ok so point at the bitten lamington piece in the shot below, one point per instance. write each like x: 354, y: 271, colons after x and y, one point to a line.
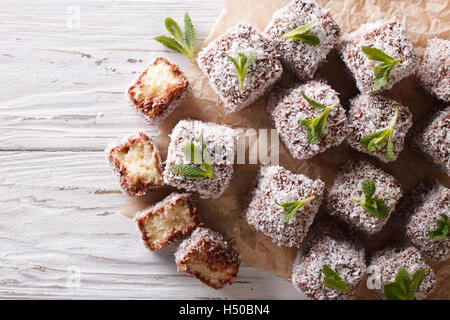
x: 328, y: 244
x: 220, y: 146
x: 347, y: 187
x: 373, y: 113
x: 386, y: 35
x: 158, y: 90
x: 418, y: 214
x: 291, y: 108
x: 209, y: 258
x: 301, y: 57
x: 263, y: 71
x: 167, y: 222
x: 385, y: 264
x: 434, y: 70
x: 136, y: 160
x: 277, y: 187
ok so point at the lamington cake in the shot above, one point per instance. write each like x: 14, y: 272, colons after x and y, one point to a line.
x: 302, y: 57
x: 418, y: 215
x: 208, y: 257
x: 390, y: 37
x: 348, y: 187
x: 434, y: 70
x: 167, y: 221
x: 283, y: 205
x: 385, y: 264
x: 369, y: 114
x: 215, y: 144
x: 288, y: 108
x: 328, y: 244
x: 158, y: 90
x: 264, y: 70
x: 136, y: 161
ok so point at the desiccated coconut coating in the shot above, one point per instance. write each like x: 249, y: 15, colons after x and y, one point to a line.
x: 288, y: 110
x: 136, y: 161
x: 387, y: 35
x: 385, y: 263
x: 418, y: 213
x: 167, y: 221
x: 158, y: 90
x: 302, y: 58
x: 434, y: 70
x: 220, y: 141
x: 264, y: 70
x: 434, y: 140
x: 372, y: 113
x: 348, y: 185
x: 276, y: 184
x: 209, y: 258
x: 328, y: 243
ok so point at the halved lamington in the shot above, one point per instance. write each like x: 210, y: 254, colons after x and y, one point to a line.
x: 385, y: 264
x: 208, y: 257
x: 255, y: 58
x: 283, y: 205
x: 329, y: 246
x: 424, y: 216
x: 290, y: 110
x: 388, y: 36
x: 434, y: 140
x: 434, y: 70
x: 363, y: 196
x: 158, y: 90
x: 137, y: 162
x: 167, y: 221
x: 302, y: 50
x: 372, y: 120
x: 201, y: 157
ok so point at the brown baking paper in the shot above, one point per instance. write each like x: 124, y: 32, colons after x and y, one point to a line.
x: 423, y: 20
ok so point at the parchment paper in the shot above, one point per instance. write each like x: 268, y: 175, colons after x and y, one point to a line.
x: 423, y: 20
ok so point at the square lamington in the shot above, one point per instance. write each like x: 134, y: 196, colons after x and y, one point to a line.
x: 208, y: 257
x: 220, y: 145
x: 417, y: 216
x: 386, y: 35
x: 158, y: 90
x: 434, y: 70
x: 288, y: 108
x: 263, y: 71
x: 347, y: 186
x: 385, y: 263
x: 298, y: 56
x: 137, y: 162
x: 167, y: 221
x: 328, y: 244
x: 373, y: 113
x: 277, y: 186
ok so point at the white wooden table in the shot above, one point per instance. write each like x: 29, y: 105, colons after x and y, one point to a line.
x: 61, y: 102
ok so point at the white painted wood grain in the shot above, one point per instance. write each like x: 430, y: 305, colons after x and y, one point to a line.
x: 61, y: 102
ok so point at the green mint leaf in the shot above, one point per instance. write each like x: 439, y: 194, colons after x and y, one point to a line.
x: 374, y: 206
x: 416, y: 281
x: 303, y: 34
x: 381, y: 71
x: 192, y: 153
x: 189, y: 32
x: 390, y: 147
x: 291, y: 208
x: 171, y: 43
x: 313, y: 103
x: 333, y: 280
x: 404, y: 286
x: 442, y: 229
x: 392, y: 291
x: 174, y: 29
x: 241, y: 63
x: 368, y: 188
x: 188, y: 171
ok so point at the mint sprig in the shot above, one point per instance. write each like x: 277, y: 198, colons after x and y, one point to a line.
x: 382, y: 70
x: 316, y: 126
x: 291, y: 208
x: 197, y: 156
x: 442, y: 230
x: 375, y: 140
x: 333, y: 280
x: 303, y: 33
x: 241, y: 62
x: 375, y: 206
x: 404, y: 287
x: 184, y: 45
